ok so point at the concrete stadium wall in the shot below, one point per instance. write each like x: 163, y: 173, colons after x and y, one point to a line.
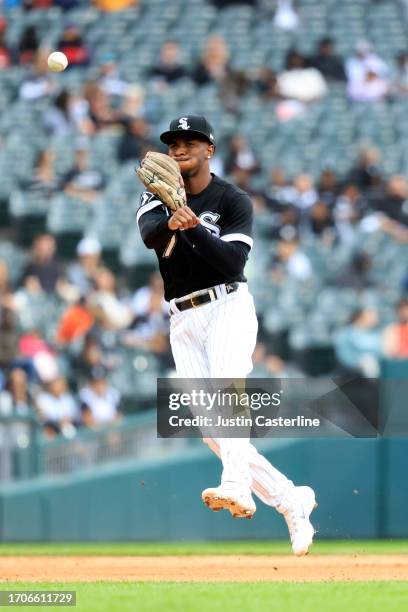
x: 360, y: 486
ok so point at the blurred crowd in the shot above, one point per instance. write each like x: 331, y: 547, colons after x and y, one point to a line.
x: 65, y: 374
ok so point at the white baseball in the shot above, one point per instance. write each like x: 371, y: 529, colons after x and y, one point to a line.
x: 57, y: 61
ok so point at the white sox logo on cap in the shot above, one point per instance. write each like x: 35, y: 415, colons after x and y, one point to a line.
x: 183, y: 123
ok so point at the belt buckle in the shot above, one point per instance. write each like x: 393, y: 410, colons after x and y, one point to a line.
x: 193, y: 302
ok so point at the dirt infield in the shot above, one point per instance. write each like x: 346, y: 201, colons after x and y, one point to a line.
x: 205, y: 568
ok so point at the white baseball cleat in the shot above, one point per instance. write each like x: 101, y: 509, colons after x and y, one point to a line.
x: 297, y: 518
x: 238, y: 500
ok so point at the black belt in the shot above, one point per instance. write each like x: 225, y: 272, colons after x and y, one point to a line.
x: 209, y: 296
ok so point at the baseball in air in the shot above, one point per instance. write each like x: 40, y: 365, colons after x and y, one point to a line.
x: 57, y: 61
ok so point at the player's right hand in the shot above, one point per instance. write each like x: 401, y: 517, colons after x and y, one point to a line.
x: 183, y: 219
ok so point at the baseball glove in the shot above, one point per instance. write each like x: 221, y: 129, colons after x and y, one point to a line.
x: 161, y: 175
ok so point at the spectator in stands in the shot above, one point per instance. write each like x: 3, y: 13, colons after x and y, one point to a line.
x: 72, y: 44
x: 290, y: 261
x: 104, y: 296
x: 43, y: 263
x: 39, y: 82
x: 214, y: 68
x: 43, y: 182
x: 92, y: 354
x: 304, y: 195
x: 28, y: 45
x: 396, y: 334
x: 327, y: 187
x: 258, y: 360
x: 300, y: 82
x: 286, y: 17
x: 325, y: 61
x: 358, y: 345
x: 81, y: 274
x: 357, y: 273
x: 321, y: 223
x: 5, y: 53
x: 214, y: 63
x: 42, y: 358
x: 241, y: 178
x: 109, y: 80
x: 75, y: 322
x: 364, y: 60
x: 396, y: 230
x: 349, y: 209
x: 265, y: 81
x: 150, y: 299
x: 286, y: 223
x: 295, y: 60
x: 366, y: 173
x: 111, y: 6
x: 69, y: 114
x: 58, y: 409
x: 278, y: 191
x: 400, y: 85
x: 367, y: 75
x: 6, y: 292
x: 100, y: 112
x: 37, y: 4
x: 100, y: 403
x: 268, y: 365
x: 28, y: 292
x: 16, y: 399
x: 169, y: 68
x: 135, y: 141
x: 371, y: 89
x: 82, y: 181
x: 240, y: 155
x: 133, y: 105
x: 150, y: 324
x: 395, y: 202
x: 9, y: 336
x: 67, y: 5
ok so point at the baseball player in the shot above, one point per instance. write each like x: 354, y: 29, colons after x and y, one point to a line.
x: 201, y: 229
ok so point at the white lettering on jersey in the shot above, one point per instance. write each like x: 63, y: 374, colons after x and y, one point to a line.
x: 208, y: 220
x: 183, y: 123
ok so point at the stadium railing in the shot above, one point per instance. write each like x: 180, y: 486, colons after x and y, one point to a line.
x: 26, y: 453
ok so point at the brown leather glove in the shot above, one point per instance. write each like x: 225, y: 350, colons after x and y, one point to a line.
x: 160, y: 174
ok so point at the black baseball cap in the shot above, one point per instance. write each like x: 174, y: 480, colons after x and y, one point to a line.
x: 195, y: 125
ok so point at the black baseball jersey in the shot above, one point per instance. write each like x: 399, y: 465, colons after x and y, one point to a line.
x: 212, y: 253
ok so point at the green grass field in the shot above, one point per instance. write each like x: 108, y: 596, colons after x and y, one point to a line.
x: 262, y: 547
x: 200, y: 597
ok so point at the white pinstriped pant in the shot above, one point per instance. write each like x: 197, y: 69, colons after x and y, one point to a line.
x: 217, y: 340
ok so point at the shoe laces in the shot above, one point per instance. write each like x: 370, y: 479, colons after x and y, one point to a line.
x: 293, y: 519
